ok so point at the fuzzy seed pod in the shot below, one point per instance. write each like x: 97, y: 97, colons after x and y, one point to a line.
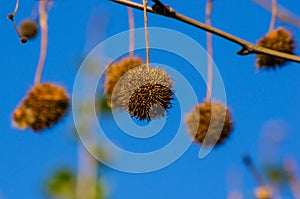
x: 44, y: 105
x: 145, y: 92
x: 28, y: 28
x: 115, y: 72
x: 280, y: 40
x: 210, y: 122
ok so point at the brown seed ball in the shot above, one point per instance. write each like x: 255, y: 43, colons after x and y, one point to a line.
x: 114, y: 73
x: 28, y: 28
x: 44, y: 105
x: 280, y: 40
x: 209, y: 116
x: 145, y: 92
x: 150, y: 101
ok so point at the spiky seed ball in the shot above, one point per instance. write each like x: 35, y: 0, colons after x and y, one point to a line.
x: 150, y: 101
x: 28, y: 28
x: 114, y: 73
x: 210, y: 122
x: 44, y: 105
x: 280, y: 40
x: 145, y: 92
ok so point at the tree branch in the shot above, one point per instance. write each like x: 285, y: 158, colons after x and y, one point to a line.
x: 247, y: 47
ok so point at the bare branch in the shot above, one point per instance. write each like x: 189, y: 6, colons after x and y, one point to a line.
x: 247, y: 47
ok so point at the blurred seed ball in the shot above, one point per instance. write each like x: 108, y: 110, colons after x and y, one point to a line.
x: 263, y: 192
x: 28, y: 28
x: 44, y: 105
x: 114, y: 73
x: 145, y: 92
x: 214, y: 117
x: 280, y: 40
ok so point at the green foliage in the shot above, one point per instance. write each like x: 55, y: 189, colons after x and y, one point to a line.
x: 276, y: 174
x: 62, y: 185
x: 102, y: 105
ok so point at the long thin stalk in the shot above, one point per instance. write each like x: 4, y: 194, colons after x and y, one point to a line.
x: 209, y: 51
x: 131, y: 32
x: 44, y: 40
x: 146, y: 32
x: 274, y: 15
x: 247, y: 47
x: 16, y: 7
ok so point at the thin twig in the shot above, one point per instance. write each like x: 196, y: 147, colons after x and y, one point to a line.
x: 249, y: 164
x: 131, y: 32
x: 247, y: 47
x: 283, y: 14
x: 274, y: 15
x: 44, y: 40
x: 146, y: 32
x: 11, y: 18
x: 209, y: 51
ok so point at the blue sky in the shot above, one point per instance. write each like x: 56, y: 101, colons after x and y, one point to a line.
x: 256, y: 98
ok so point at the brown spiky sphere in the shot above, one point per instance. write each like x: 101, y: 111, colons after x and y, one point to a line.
x: 210, y: 122
x: 114, y: 73
x: 280, y: 40
x: 145, y: 92
x: 44, y: 105
x: 28, y: 28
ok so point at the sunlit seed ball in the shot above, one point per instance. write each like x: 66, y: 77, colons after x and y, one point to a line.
x: 114, y: 73
x: 145, y: 92
x: 28, y: 28
x: 44, y: 105
x: 280, y: 40
x: 210, y: 122
x: 263, y: 192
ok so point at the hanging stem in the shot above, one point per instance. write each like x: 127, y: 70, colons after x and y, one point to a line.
x: 274, y: 15
x: 146, y: 33
x: 131, y: 31
x: 16, y: 8
x: 283, y: 14
x: 44, y: 40
x: 209, y: 51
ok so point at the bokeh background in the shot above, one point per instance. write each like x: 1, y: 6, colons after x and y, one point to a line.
x: 264, y: 104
